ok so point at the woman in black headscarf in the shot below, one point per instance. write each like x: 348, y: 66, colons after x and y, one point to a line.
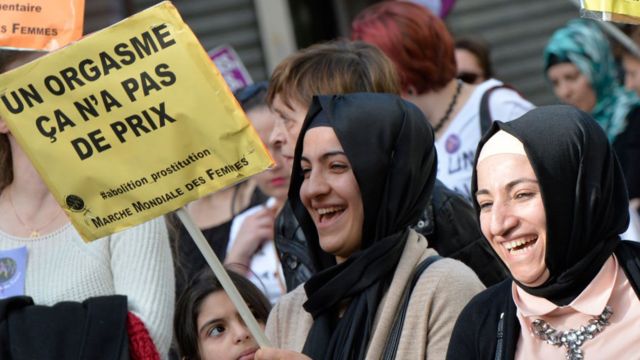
x: 552, y: 202
x: 363, y: 172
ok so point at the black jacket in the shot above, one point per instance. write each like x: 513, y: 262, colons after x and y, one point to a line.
x: 93, y: 329
x: 449, y: 223
x: 478, y: 333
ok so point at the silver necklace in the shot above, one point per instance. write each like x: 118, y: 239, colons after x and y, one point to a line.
x: 572, y: 339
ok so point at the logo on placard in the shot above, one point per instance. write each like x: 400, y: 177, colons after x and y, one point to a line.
x: 8, y: 269
x: 452, y: 144
x: 74, y: 202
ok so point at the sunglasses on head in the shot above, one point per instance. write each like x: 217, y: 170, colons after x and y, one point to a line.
x: 467, y: 77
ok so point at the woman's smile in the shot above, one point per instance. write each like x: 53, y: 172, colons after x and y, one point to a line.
x: 521, y: 246
x: 327, y: 216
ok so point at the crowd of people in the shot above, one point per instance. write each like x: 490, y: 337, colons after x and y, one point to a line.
x: 417, y: 208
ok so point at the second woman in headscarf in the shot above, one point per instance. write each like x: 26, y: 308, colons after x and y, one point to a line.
x: 551, y: 199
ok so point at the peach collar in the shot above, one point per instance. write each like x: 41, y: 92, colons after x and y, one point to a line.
x: 591, y: 300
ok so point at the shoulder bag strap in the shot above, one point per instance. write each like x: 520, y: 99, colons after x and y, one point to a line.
x: 394, y: 335
x: 485, y: 112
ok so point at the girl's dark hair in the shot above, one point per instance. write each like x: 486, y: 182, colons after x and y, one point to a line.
x: 188, y: 307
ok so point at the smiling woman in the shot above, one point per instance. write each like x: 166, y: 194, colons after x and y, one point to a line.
x: 511, y: 211
x: 551, y: 199
x: 363, y: 171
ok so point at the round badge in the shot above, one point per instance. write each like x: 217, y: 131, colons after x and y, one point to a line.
x: 7, y: 269
x: 452, y: 144
x: 74, y: 202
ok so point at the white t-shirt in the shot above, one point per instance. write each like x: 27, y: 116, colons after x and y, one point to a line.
x: 457, y: 145
x: 266, y: 271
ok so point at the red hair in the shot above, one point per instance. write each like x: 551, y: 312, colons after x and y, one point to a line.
x: 416, y: 40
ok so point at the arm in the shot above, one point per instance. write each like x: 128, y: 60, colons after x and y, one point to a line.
x: 272, y: 330
x: 288, y: 323
x: 463, y: 337
x: 475, y: 334
x: 454, y: 290
x: 143, y: 271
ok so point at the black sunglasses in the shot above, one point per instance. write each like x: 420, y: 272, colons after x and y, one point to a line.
x: 467, y: 77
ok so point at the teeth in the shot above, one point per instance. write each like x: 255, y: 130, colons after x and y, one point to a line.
x: 329, y: 210
x: 515, y: 243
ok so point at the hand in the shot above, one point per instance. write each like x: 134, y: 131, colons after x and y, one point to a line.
x: 279, y: 354
x: 254, y: 231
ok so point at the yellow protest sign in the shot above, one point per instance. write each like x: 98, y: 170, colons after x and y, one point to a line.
x: 130, y: 123
x: 615, y: 10
x: 40, y: 24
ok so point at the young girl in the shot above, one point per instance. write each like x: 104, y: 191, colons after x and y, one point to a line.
x: 207, y: 324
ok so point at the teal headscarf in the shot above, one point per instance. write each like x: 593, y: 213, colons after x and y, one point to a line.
x: 582, y: 43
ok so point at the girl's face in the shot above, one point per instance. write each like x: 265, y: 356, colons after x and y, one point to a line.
x: 222, y: 335
x: 275, y: 181
x: 572, y: 87
x: 512, y: 215
x: 331, y: 193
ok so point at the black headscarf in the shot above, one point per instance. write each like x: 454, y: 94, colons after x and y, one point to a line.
x: 583, y: 192
x: 390, y: 147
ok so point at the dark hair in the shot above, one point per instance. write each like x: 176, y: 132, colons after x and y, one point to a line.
x: 7, y: 57
x: 6, y: 162
x: 555, y: 59
x: 480, y: 49
x: 336, y: 67
x: 185, y: 321
x: 416, y: 40
x: 252, y: 96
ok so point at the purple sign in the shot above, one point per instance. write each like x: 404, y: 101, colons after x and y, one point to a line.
x: 231, y: 67
x: 438, y: 7
x: 13, y: 264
